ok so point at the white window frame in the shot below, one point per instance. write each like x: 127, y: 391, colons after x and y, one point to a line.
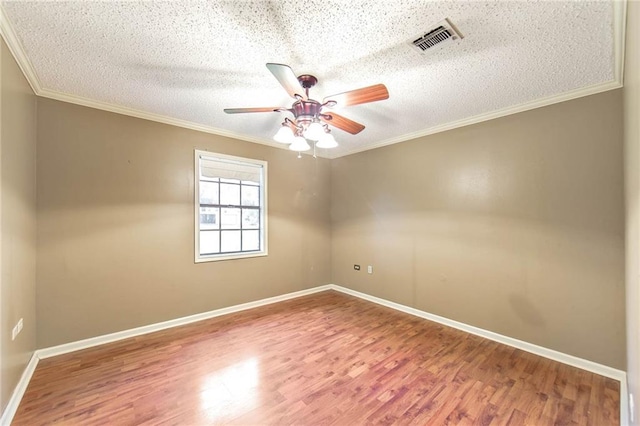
x: 198, y: 154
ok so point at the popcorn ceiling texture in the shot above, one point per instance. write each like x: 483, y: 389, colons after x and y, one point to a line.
x: 189, y: 60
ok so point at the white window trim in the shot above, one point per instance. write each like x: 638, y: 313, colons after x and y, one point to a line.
x: 196, y: 198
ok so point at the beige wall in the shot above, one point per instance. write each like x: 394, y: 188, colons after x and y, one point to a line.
x: 116, y: 231
x: 515, y: 225
x: 632, y: 181
x: 18, y: 221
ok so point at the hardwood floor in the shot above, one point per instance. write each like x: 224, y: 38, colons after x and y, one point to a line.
x: 324, y: 359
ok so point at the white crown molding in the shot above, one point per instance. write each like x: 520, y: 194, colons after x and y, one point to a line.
x: 538, y: 103
x: 619, y: 37
x: 163, y: 119
x: 587, y: 365
x: 619, y: 24
x: 132, y: 112
x: 619, y: 34
x: 15, y: 47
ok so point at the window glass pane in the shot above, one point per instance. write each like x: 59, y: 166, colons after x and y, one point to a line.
x: 230, y: 218
x: 209, y: 192
x: 230, y: 180
x: 250, y: 219
x: 251, y: 182
x: 209, y: 242
x: 230, y: 241
x: 229, y: 194
x: 251, y: 240
x: 250, y: 195
x: 209, y: 218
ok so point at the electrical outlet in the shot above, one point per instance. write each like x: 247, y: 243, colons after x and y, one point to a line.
x: 356, y: 267
x: 370, y: 269
x: 17, y: 329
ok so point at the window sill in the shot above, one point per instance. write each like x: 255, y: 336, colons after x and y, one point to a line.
x: 217, y: 258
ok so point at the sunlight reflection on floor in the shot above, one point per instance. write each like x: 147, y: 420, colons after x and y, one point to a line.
x: 231, y: 391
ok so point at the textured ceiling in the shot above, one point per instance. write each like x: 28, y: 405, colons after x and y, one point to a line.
x: 187, y: 60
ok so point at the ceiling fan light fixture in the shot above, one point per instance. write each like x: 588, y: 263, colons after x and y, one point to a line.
x: 326, y: 141
x: 314, y: 131
x: 299, y: 144
x: 284, y: 135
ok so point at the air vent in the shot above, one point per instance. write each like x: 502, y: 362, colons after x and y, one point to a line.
x: 441, y: 32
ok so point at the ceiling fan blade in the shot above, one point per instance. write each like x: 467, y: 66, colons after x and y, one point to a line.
x: 377, y: 92
x: 342, y: 123
x: 261, y: 109
x: 287, y: 78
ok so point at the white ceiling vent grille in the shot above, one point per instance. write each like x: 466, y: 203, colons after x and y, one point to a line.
x: 442, y: 31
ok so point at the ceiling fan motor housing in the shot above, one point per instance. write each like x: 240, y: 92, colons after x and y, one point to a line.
x: 306, y: 110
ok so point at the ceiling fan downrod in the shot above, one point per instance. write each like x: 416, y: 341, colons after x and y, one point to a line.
x: 307, y: 81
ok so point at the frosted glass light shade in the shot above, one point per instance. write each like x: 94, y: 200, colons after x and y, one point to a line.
x: 326, y: 141
x: 284, y: 135
x: 299, y: 144
x: 314, y: 131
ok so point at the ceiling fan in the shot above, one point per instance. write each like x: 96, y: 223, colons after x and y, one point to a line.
x: 310, y: 119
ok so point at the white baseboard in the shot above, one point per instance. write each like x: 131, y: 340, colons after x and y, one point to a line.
x: 18, y: 392
x: 21, y: 387
x: 584, y: 364
x: 574, y: 361
x: 591, y: 366
x: 624, y: 402
x: 125, y: 334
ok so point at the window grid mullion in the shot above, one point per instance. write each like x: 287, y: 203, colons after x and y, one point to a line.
x: 260, y: 219
x: 241, y: 246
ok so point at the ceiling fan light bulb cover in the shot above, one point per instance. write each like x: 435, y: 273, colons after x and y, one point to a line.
x: 327, y: 141
x: 284, y: 135
x: 299, y: 144
x: 314, y: 132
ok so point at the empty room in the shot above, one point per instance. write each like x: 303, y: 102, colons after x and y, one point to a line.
x: 320, y: 213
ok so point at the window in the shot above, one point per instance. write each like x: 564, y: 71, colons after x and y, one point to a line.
x: 231, y: 206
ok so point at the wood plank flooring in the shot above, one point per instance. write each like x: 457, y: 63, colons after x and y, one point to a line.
x: 324, y: 359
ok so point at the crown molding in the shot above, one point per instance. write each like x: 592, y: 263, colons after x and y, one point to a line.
x: 17, y: 50
x: 619, y: 28
x: 132, y: 112
x: 15, y: 47
x: 538, y: 103
x: 619, y: 36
